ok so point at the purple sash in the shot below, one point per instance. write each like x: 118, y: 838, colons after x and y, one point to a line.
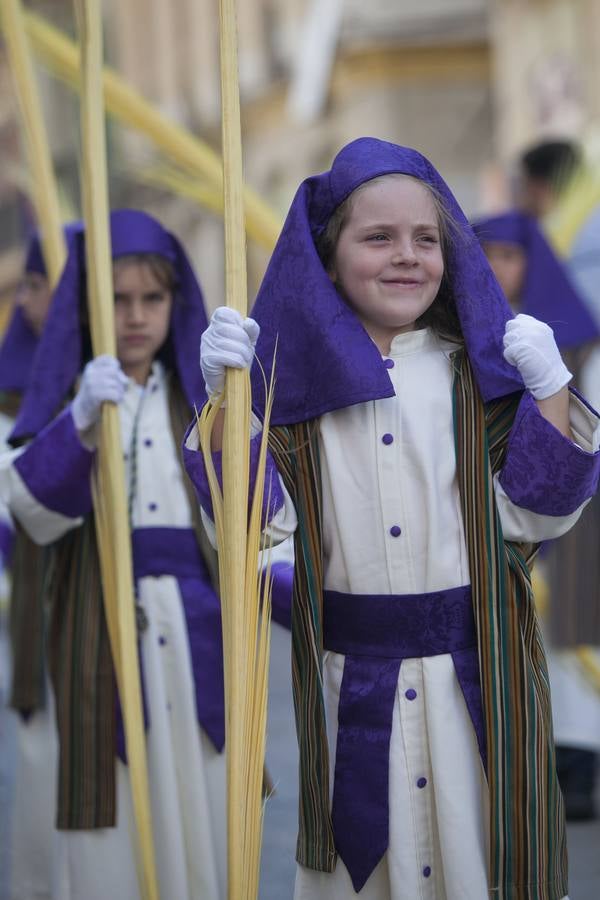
x: 375, y: 633
x: 175, y: 551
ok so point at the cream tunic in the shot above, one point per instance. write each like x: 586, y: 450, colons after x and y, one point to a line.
x: 187, y: 775
x: 370, y: 486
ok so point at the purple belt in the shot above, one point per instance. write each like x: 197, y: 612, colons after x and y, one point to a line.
x: 375, y: 633
x: 175, y: 551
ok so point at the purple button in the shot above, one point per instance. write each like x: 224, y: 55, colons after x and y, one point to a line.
x: 388, y: 439
x: 410, y: 694
x: 389, y: 363
x: 395, y: 531
x: 152, y: 507
x: 126, y: 456
x: 154, y: 388
x: 421, y: 782
x: 427, y: 871
x: 162, y: 640
x: 148, y: 442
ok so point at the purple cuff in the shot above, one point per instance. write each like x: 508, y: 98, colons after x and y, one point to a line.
x: 56, y: 468
x: 194, y: 464
x: 544, y: 471
x: 7, y: 541
x: 281, y: 594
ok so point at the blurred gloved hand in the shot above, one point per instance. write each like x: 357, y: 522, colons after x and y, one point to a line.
x: 102, y: 380
x: 530, y: 346
x: 229, y: 341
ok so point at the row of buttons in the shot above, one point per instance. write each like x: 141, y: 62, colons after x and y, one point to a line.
x: 411, y: 694
x: 148, y: 442
x: 388, y: 439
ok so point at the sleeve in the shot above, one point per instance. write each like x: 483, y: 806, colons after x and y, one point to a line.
x: 7, y: 528
x: 46, y: 486
x: 282, y: 572
x: 547, y: 479
x: 279, y: 515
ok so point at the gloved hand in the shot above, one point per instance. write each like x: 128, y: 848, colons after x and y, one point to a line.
x: 102, y: 380
x: 530, y: 346
x: 229, y: 341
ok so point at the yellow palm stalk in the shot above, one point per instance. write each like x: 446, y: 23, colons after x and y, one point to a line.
x: 577, y: 202
x: 588, y: 660
x: 60, y: 55
x: 203, y: 193
x: 110, y: 504
x: 45, y: 192
x: 246, y: 619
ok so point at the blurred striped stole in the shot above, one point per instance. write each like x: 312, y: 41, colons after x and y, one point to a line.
x: 527, y: 830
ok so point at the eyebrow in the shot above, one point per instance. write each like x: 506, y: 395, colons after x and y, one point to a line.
x: 383, y: 226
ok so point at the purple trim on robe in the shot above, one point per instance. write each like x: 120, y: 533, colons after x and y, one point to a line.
x: 175, y: 551
x: 375, y: 633
x: 281, y: 593
x: 194, y: 464
x: 56, y: 468
x: 544, y: 471
x: 7, y: 542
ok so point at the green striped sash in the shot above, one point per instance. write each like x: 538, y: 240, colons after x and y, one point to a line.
x: 527, y: 833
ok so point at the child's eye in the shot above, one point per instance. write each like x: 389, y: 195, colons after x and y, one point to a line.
x: 378, y: 236
x: 428, y: 238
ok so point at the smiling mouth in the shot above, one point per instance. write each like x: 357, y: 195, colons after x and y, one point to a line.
x: 135, y: 339
x: 403, y: 283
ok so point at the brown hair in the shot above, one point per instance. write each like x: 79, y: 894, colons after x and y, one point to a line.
x: 162, y: 269
x: 441, y: 316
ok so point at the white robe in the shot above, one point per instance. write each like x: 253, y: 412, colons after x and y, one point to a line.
x: 369, y: 486
x: 186, y: 774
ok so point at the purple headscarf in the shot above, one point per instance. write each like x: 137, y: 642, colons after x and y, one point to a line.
x: 58, y: 359
x: 325, y: 358
x: 547, y: 292
x: 20, y: 341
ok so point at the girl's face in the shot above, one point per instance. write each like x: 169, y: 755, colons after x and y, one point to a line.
x: 388, y: 262
x: 142, y: 317
x: 33, y: 296
x: 509, y: 264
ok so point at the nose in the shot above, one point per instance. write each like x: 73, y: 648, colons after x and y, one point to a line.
x: 136, y: 312
x: 403, y: 253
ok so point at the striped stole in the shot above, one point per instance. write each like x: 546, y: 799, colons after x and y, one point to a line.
x: 527, y: 836
x: 296, y: 453
x: 84, y: 687
x: 527, y: 829
x: 27, y: 624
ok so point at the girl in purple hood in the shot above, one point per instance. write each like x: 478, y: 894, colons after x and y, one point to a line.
x: 423, y: 442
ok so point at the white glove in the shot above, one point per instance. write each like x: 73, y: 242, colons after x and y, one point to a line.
x: 229, y: 341
x: 102, y: 381
x: 530, y: 346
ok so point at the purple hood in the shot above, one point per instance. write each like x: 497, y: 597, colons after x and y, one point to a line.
x: 325, y: 358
